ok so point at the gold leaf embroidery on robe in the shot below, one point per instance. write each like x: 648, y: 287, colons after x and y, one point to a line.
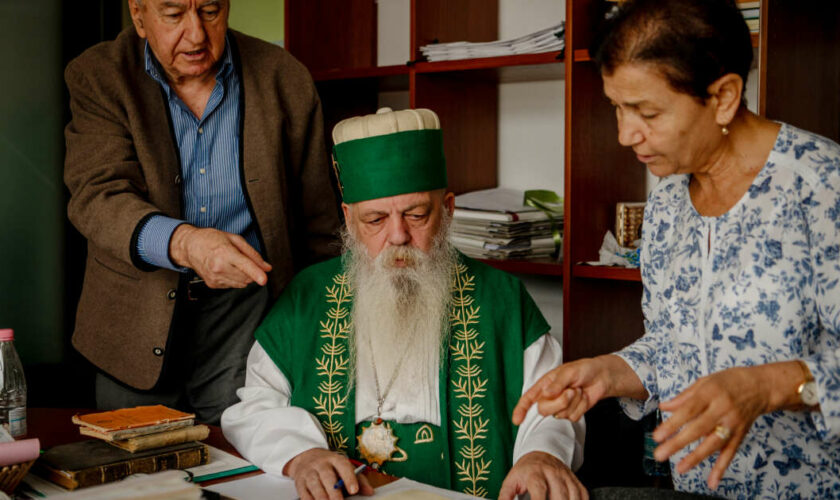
x: 331, y: 401
x: 470, y: 387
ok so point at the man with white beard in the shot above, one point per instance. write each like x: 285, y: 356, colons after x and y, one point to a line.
x: 403, y: 353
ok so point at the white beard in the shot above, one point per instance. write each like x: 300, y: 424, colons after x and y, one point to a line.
x: 400, y: 318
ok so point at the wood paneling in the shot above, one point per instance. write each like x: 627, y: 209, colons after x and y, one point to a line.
x: 453, y: 21
x: 330, y: 34
x: 802, y: 65
x: 468, y: 107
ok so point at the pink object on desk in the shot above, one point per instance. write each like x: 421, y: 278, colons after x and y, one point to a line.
x: 16, y: 452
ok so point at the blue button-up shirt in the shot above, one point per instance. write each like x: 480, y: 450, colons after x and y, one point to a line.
x: 209, y: 152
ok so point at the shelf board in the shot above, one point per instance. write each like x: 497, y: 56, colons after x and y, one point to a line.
x: 606, y: 273
x: 583, y: 54
x: 543, y: 267
x: 521, y: 67
x: 357, y: 73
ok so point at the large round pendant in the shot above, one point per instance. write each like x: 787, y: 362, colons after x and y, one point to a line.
x: 377, y: 442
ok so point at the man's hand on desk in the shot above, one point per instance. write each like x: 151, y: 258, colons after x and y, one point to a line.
x: 544, y: 477
x: 222, y: 260
x: 316, y: 472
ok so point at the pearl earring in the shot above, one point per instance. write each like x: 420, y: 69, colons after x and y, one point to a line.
x: 724, y: 130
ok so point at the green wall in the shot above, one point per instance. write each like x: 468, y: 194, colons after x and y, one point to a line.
x: 31, y: 189
x: 260, y: 18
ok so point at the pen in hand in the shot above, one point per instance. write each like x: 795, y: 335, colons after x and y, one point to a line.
x: 359, y: 470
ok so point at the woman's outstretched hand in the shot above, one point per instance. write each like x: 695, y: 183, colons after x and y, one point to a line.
x: 571, y: 389
x: 719, y: 410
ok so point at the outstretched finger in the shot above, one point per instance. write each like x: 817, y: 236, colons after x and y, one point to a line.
x: 247, y: 250
x: 531, y: 396
x: 709, y: 445
x: 724, y: 459
x: 687, y: 412
x: 700, y: 426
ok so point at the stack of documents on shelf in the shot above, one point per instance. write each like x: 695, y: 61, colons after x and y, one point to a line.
x: 495, y: 224
x: 750, y: 11
x: 546, y: 40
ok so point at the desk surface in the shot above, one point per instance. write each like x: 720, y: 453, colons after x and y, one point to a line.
x: 53, y: 426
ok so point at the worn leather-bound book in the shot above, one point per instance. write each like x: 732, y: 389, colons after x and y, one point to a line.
x: 158, y: 439
x: 127, y: 423
x: 91, y: 462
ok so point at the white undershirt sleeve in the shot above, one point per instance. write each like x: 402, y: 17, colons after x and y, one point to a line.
x: 262, y: 426
x: 560, y: 438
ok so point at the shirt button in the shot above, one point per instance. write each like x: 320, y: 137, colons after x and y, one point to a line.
x: 171, y: 294
x: 200, y: 130
x: 203, y: 209
x: 202, y: 171
x: 158, y: 351
x: 177, y: 179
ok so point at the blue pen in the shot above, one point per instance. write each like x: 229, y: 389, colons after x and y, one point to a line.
x: 359, y: 470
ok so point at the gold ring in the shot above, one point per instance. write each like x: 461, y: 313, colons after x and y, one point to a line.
x: 723, y: 432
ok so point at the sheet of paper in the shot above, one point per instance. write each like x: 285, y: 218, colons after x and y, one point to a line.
x: 406, y: 489
x: 35, y: 487
x: 221, y: 464
x: 262, y: 487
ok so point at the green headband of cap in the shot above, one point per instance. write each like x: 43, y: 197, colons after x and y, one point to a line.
x: 392, y: 164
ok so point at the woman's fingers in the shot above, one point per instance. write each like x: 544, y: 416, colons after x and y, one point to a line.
x: 545, y: 392
x: 725, y: 457
x: 688, y: 410
x: 582, y: 407
x: 562, y: 405
x: 530, y: 397
x: 710, y: 444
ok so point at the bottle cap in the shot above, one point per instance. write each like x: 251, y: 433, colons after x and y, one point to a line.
x: 6, y: 334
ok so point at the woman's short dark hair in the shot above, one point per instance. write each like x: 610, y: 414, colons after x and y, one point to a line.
x: 694, y: 42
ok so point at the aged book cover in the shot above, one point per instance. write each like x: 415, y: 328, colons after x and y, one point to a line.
x: 91, y: 462
x: 131, y: 422
x: 159, y: 439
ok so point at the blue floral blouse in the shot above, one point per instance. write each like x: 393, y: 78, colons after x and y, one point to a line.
x: 755, y: 285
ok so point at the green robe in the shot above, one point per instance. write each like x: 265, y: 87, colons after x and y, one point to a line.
x: 493, y: 320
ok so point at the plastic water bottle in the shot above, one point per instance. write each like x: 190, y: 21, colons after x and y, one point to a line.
x: 651, y: 467
x: 12, y: 386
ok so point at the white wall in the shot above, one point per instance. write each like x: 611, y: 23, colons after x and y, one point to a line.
x: 531, y: 114
x: 531, y: 135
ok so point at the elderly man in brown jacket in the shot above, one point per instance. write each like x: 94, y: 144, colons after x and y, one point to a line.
x: 197, y: 170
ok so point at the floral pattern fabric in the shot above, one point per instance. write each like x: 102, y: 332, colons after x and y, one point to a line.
x: 756, y: 285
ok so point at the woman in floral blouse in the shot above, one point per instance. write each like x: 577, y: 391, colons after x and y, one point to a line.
x: 740, y: 265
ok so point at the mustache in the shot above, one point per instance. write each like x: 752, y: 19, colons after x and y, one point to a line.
x: 410, y: 256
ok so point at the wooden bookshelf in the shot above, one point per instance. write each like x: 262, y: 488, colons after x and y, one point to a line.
x: 357, y: 73
x: 606, y: 273
x: 542, y: 267
x: 523, y: 67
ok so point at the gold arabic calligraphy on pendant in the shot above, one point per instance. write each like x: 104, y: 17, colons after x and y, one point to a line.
x: 377, y: 444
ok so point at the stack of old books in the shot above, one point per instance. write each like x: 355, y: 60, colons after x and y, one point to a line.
x: 496, y: 224
x: 128, y: 441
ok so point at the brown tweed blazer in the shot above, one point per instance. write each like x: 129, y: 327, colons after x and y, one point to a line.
x: 122, y: 166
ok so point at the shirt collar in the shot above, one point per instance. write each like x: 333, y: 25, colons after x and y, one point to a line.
x: 154, y: 69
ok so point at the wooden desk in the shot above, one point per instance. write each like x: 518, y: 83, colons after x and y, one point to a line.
x: 53, y: 426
